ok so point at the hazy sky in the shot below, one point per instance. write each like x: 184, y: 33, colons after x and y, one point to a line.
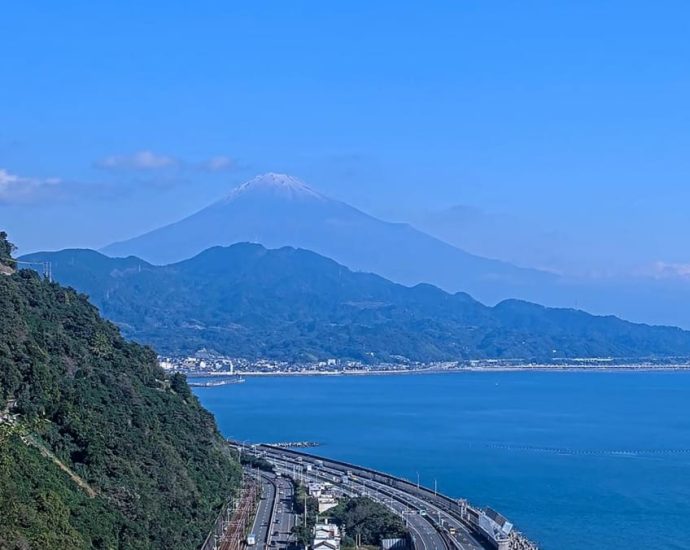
x: 574, y: 117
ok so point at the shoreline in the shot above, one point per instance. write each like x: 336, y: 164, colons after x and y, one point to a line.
x: 517, y: 368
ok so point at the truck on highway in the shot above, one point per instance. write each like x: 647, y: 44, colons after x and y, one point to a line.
x: 251, y: 539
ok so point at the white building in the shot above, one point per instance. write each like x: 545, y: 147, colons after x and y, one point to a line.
x: 326, y: 536
x: 315, y: 489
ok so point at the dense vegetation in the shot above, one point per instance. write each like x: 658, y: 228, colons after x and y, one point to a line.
x: 359, y: 518
x: 6, y: 251
x: 256, y: 462
x: 98, y: 449
x: 246, y: 301
x: 362, y: 518
x: 304, y: 531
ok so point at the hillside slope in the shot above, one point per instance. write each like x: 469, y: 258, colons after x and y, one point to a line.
x: 247, y: 301
x: 98, y: 448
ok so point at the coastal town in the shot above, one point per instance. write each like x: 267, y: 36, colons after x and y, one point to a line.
x: 204, y: 363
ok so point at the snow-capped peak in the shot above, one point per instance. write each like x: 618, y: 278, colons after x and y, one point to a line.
x: 279, y: 184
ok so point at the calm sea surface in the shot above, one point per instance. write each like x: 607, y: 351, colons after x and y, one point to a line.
x: 576, y: 460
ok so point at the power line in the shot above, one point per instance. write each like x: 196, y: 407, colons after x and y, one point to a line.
x: 47, y: 267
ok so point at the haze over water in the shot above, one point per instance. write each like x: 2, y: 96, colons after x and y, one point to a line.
x: 572, y: 458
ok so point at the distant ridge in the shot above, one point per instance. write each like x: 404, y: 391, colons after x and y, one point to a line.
x: 278, y: 210
x: 292, y: 304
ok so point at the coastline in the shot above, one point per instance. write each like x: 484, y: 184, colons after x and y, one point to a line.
x: 459, y: 370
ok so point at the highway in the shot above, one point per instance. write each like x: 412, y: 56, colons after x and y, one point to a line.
x: 463, y: 538
x: 424, y: 533
x: 264, y: 511
x: 285, y: 517
x: 275, y: 516
x: 435, y: 521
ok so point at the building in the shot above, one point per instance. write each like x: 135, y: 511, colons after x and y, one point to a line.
x: 495, y: 527
x: 315, y: 489
x: 326, y: 536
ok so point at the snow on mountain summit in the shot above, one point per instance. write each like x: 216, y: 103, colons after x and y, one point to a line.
x: 276, y: 184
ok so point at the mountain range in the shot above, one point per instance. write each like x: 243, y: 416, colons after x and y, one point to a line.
x: 292, y: 304
x: 277, y: 210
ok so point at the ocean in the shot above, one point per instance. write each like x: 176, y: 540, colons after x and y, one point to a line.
x: 576, y: 460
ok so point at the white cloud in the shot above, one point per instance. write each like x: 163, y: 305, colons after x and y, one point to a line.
x: 668, y: 270
x: 148, y: 161
x: 14, y: 188
x: 141, y: 160
x: 219, y: 163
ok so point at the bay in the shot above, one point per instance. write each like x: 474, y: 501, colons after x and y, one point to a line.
x: 574, y: 459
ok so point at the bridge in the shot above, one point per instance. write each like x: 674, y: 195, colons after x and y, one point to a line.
x: 435, y: 521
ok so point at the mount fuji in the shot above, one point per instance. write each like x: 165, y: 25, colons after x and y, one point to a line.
x: 277, y: 210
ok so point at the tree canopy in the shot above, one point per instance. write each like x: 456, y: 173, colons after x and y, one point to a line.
x: 7, y: 250
x: 367, y: 520
x: 98, y: 447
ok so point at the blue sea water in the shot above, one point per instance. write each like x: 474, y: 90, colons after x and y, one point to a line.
x: 576, y: 460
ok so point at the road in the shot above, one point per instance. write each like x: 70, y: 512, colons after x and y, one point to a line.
x: 264, y: 511
x: 425, y: 536
x: 463, y: 539
x: 413, y: 499
x: 436, y: 521
x: 285, y: 517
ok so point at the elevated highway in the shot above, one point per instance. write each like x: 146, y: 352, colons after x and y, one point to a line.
x: 436, y: 521
x: 425, y: 535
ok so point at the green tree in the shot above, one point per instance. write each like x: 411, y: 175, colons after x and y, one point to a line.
x: 6, y: 251
x: 370, y: 521
x: 178, y: 383
x: 107, y: 451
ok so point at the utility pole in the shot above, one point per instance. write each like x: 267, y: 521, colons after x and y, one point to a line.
x: 417, y: 480
x: 435, y: 487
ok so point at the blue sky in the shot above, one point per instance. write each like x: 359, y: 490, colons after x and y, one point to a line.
x: 572, y: 117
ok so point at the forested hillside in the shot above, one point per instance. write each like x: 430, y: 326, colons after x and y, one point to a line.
x: 292, y: 304
x: 98, y: 448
